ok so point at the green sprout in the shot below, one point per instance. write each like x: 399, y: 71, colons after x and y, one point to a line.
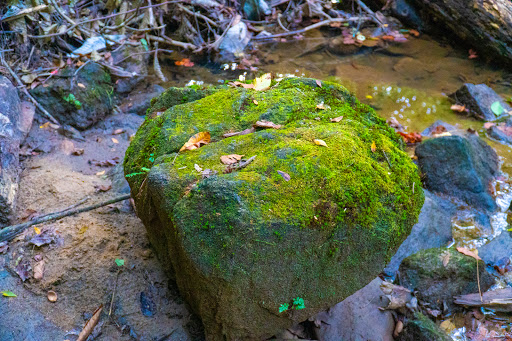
x: 72, y: 100
x: 298, y: 303
x: 283, y: 307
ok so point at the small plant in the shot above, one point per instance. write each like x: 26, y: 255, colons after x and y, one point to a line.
x: 283, y: 307
x: 72, y: 100
x: 151, y: 157
x: 298, y: 304
x: 144, y: 171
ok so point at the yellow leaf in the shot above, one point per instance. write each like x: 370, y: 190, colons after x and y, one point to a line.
x: 115, y: 140
x: 255, y: 102
x: 262, y: 83
x: 447, y: 326
x: 373, y: 147
x: 196, y: 141
x: 230, y: 159
x: 38, y: 231
x: 369, y: 96
x: 81, y: 85
x: 337, y: 119
x: 320, y: 143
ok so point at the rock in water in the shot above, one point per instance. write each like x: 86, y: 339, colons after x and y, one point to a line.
x: 481, y: 101
x: 254, y: 251
x: 78, y: 100
x: 10, y: 137
x: 461, y: 166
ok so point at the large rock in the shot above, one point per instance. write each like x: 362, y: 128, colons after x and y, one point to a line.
x: 439, y: 274
x: 480, y: 101
x: 461, y: 166
x: 11, y: 134
x: 498, y: 248
x: 296, y: 231
x: 80, y: 100
x: 434, y: 229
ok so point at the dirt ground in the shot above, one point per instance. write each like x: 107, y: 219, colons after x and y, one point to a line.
x: 139, y: 302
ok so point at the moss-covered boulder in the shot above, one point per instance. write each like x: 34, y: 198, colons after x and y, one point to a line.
x: 299, y: 229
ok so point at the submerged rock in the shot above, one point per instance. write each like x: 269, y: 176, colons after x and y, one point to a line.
x: 480, y: 100
x: 461, y: 166
x: 298, y: 229
x: 498, y: 248
x: 78, y: 100
x: 439, y: 274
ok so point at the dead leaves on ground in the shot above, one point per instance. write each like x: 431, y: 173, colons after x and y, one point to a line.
x: 259, y: 84
x: 459, y: 108
x: 197, y: 141
x: 469, y: 253
x: 411, y: 138
x: 230, y: 159
x: 89, y: 326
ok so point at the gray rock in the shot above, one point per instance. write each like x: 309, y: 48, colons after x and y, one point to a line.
x: 434, y: 229
x: 256, y: 9
x: 502, y: 131
x: 497, y: 248
x: 461, y: 166
x: 357, y: 317
x: 132, y: 59
x: 479, y: 99
x: 234, y: 42
x: 78, y: 106
x: 439, y: 274
x: 10, y: 138
x: 139, y: 102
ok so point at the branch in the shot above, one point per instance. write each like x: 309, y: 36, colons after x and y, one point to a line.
x: 311, y: 27
x: 10, y: 232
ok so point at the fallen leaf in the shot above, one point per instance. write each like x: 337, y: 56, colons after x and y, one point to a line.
x: 44, y: 238
x: 447, y: 326
x: 285, y: 175
x: 104, y: 188
x: 373, y: 147
x: 115, y: 140
x: 197, y: 168
x: 39, y: 270
x: 184, y: 62
x: 230, y: 159
x: 22, y: 269
x: 337, y: 119
x: 469, y: 253
x: 266, y: 124
x: 458, y: 108
x: 81, y: 85
x: 488, y: 125
x: 262, y: 83
x: 243, y: 85
x: 388, y: 38
x: 255, y: 102
x: 118, y: 131
x: 243, y: 132
x: 414, y: 33
x: 369, y: 96
x: 398, y: 328
x: 196, y: 141
x: 119, y: 262
x: 322, y: 106
x: 411, y: 137
x: 100, y: 173
x: 37, y: 230
x: 472, y: 54
x: 207, y: 173
x: 445, y: 257
x: 320, y: 142
x: 497, y: 108
x: 318, y: 82
x: 8, y: 293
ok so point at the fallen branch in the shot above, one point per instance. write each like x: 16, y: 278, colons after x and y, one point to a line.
x: 311, y: 27
x: 24, y: 89
x: 10, y: 232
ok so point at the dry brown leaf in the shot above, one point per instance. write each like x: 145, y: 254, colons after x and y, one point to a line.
x: 115, y: 140
x: 318, y: 82
x: 243, y: 132
x: 52, y: 296
x: 81, y: 85
x: 89, y: 326
x: 118, y: 131
x: 337, y: 119
x: 447, y: 326
x: 267, y: 124
x: 243, y: 85
x: 39, y: 270
x: 445, y: 258
x: 469, y: 253
x: 487, y: 125
x: 373, y: 147
x: 255, y: 102
x: 230, y: 159
x: 398, y: 328
x: 196, y: 141
x: 320, y: 142
x: 458, y: 108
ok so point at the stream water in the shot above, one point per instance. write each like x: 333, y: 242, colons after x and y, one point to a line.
x: 408, y: 81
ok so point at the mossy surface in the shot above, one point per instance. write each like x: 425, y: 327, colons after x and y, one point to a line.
x: 250, y: 241
x: 421, y: 328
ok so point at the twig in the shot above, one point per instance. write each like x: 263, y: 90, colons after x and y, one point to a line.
x: 311, y: 27
x: 199, y: 15
x: 10, y: 232
x: 167, y: 40
x: 113, y: 293
x: 478, y: 281
x: 24, y: 89
x: 236, y: 166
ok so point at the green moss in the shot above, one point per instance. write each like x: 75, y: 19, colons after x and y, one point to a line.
x: 421, y: 328
x: 335, y: 223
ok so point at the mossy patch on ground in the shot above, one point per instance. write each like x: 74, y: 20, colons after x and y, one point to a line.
x: 253, y: 240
